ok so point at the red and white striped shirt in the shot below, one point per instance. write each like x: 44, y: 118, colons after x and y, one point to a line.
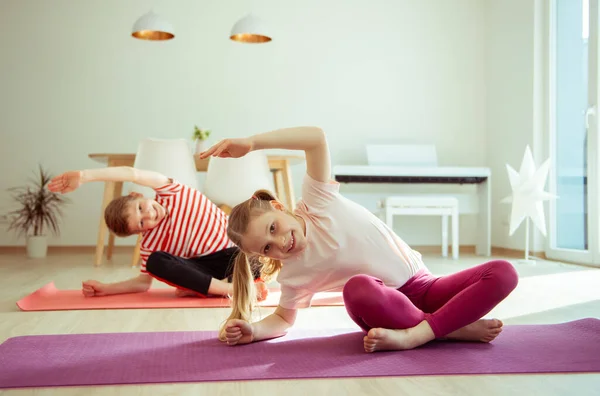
x: 194, y: 226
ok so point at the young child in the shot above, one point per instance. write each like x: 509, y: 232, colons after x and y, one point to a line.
x: 184, y: 242
x: 331, y: 243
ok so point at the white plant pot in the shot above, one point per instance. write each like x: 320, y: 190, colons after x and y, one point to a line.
x: 200, y: 146
x: 37, y: 246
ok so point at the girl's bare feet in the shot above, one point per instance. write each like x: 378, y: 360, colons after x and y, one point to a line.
x: 484, y: 330
x: 379, y: 339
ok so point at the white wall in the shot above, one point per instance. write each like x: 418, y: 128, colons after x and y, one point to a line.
x: 514, y: 103
x: 74, y: 82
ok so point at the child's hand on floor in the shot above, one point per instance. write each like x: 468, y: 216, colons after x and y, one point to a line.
x: 261, y: 290
x: 238, y: 331
x: 92, y: 288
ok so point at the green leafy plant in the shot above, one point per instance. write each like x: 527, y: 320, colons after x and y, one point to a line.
x: 200, y: 134
x: 39, y: 207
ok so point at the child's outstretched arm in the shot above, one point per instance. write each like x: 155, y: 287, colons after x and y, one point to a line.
x: 69, y: 181
x: 239, y: 331
x: 311, y: 140
x: 139, y: 284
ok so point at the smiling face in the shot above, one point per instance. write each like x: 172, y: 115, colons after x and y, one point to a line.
x: 275, y: 234
x: 144, y: 214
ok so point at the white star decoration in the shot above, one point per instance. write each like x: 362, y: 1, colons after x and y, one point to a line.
x: 528, y: 193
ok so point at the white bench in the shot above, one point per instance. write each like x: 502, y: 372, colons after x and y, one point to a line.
x: 426, y: 204
x: 417, y: 155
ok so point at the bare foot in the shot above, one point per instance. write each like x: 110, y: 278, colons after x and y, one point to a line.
x: 484, y: 330
x: 379, y: 339
x: 185, y: 293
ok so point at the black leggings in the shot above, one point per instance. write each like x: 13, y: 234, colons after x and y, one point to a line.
x: 194, y: 273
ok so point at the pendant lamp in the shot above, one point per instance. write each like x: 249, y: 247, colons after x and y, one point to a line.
x: 151, y: 26
x: 250, y: 29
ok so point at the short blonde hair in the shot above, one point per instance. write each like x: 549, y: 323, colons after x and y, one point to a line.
x: 116, y: 215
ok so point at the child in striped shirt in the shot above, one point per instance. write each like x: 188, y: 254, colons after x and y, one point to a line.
x: 184, y: 239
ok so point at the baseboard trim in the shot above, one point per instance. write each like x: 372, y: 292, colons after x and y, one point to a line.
x: 66, y: 249
x: 470, y: 249
x: 516, y: 253
x: 428, y: 249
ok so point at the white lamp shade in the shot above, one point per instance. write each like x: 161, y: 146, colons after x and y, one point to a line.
x: 171, y: 157
x: 250, y: 29
x: 230, y: 181
x: 151, y: 26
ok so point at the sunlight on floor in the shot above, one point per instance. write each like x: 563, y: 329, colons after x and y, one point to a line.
x: 546, y: 292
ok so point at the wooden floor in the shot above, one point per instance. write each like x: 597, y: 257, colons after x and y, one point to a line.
x: 548, y: 292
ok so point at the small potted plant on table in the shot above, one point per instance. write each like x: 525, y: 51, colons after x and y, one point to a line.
x: 200, y: 136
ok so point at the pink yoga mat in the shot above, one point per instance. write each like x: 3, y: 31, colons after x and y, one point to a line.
x: 168, y: 357
x: 49, y: 298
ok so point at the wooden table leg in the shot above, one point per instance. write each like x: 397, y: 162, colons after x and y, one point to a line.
x: 109, y: 188
x: 278, y: 184
x: 110, y: 246
x: 111, y: 237
x: 135, y: 260
x: 286, y: 173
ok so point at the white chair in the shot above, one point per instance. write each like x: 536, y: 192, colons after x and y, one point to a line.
x: 171, y: 157
x: 230, y: 181
x: 416, y: 155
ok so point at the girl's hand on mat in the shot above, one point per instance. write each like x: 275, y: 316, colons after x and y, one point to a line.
x: 92, y: 288
x: 238, y: 331
x: 66, y: 182
x: 229, y: 148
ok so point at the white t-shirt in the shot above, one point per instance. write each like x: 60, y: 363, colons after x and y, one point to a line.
x: 343, y: 239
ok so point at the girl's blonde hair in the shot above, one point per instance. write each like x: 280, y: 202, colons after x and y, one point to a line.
x: 244, y: 293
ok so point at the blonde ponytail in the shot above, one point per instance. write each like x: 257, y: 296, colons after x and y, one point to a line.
x: 244, y: 292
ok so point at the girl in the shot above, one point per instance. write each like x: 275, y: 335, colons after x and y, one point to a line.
x: 330, y: 243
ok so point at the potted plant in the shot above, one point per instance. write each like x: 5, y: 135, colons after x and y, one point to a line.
x: 38, y: 212
x: 200, y: 136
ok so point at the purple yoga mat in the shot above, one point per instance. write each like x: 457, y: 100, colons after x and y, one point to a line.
x: 134, y: 358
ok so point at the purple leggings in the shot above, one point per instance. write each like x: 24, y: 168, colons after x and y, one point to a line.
x: 447, y: 303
